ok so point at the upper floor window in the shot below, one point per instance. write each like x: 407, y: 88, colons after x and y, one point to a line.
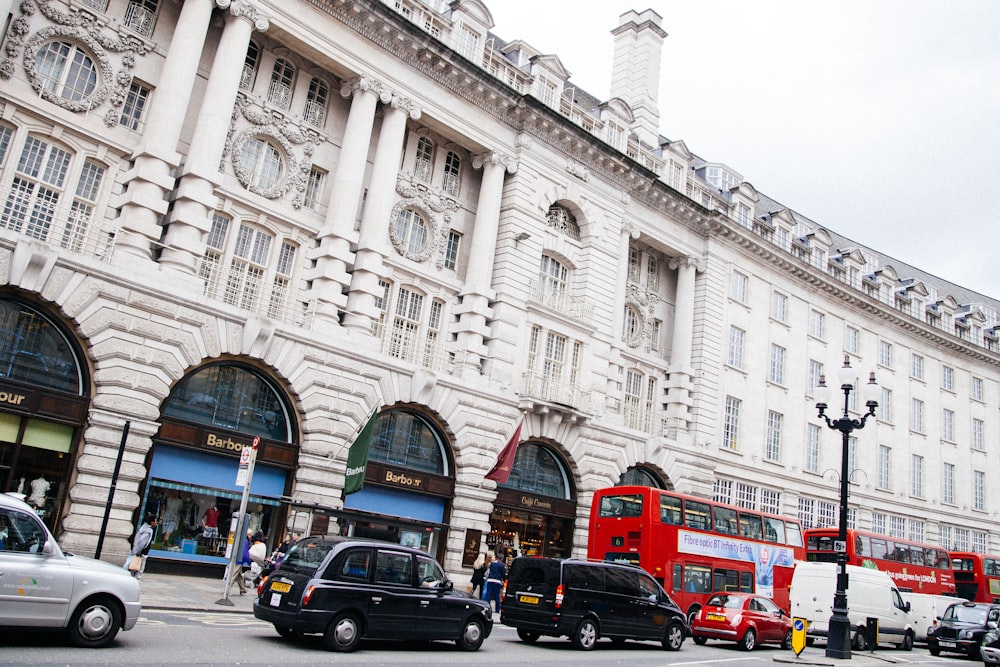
x: 851, y: 336
x: 776, y: 369
x: 632, y: 330
x: 261, y: 165
x: 553, y: 366
x: 883, y: 478
x: 633, y: 265
x: 775, y: 422
x: 562, y: 219
x: 279, y: 92
x: 411, y: 231
x: 250, y: 64
x: 414, y: 332
x: 811, y: 462
x: 452, y: 174
x: 451, y: 250
x: 917, y: 415
x: 885, y: 354
x: 815, y: 373
x: 731, y: 423
x: 917, y: 369
x: 817, y: 324
x: 652, y: 273
x: 885, y: 405
x: 314, y: 189
x: 948, y: 378
x: 739, y: 287
x: 640, y: 397
x: 743, y: 215
x: 978, y: 490
x: 468, y: 43
x: 976, y: 390
x: 423, y: 163
x: 140, y: 16
x: 948, y: 483
x: 66, y: 71
x: 317, y: 97
x: 779, y: 306
x: 737, y: 342
x: 134, y: 106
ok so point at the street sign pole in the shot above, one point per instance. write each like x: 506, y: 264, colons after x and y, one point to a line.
x: 249, y: 454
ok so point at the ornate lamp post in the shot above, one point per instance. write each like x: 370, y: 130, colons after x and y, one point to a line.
x: 839, y: 633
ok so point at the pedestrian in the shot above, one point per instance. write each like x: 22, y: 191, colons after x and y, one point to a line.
x: 486, y: 565
x: 242, y: 563
x: 258, y: 556
x: 478, y: 577
x: 495, y: 575
x: 282, y: 550
x: 140, y: 546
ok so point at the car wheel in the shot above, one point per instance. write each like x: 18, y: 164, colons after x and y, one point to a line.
x: 700, y: 640
x: 343, y: 634
x: 95, y: 623
x: 786, y: 643
x: 907, y: 644
x: 749, y: 640
x: 692, y: 612
x: 527, y: 636
x: 472, y: 635
x: 674, y: 638
x: 586, y: 634
x: 934, y: 651
x: 860, y: 642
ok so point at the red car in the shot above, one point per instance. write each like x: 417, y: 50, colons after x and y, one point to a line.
x: 743, y: 618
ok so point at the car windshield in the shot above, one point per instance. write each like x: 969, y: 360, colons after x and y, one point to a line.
x: 964, y: 614
x: 727, y: 601
x: 306, y: 555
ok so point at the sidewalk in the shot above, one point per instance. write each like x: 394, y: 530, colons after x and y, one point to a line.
x: 191, y: 593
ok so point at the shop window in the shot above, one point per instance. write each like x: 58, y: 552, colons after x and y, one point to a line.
x: 230, y: 397
x: 35, y: 352
x: 537, y: 470
x: 406, y: 439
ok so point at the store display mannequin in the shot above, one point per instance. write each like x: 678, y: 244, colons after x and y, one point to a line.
x: 39, y: 489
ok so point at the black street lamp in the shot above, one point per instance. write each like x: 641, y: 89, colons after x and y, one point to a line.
x: 839, y: 632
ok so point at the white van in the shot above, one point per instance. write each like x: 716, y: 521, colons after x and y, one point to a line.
x: 870, y: 594
x: 925, y: 610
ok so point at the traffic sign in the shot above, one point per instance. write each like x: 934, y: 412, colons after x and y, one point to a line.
x: 840, y: 546
x: 799, y: 626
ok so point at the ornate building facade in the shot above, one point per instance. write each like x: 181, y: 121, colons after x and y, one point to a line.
x: 236, y: 221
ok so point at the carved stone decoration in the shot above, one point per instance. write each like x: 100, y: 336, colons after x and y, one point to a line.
x: 82, y: 27
x: 287, y: 134
x: 645, y: 303
x: 437, y: 209
x: 574, y: 168
x: 246, y: 10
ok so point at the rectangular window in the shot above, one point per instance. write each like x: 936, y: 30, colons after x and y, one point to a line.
x: 779, y: 306
x: 884, y: 459
x: 917, y: 415
x: 652, y: 274
x: 776, y: 369
x: 731, y: 426
x: 633, y: 265
x: 807, y: 512
x: 885, y: 405
x: 948, y: 378
x: 774, y: 424
x: 812, y: 448
x: 815, y: 372
x: 979, y: 490
x: 826, y: 514
x: 770, y: 501
x: 980, y: 541
x: 917, y: 367
x: 739, y: 287
x: 134, y: 106
x: 947, y: 425
x: 314, y: 189
x: 451, y: 250
x: 897, y: 527
x: 817, y: 324
x: 736, y: 337
x: 880, y: 523
x: 885, y: 354
x: 917, y: 468
x: 722, y: 491
x: 746, y: 496
x: 916, y: 530
x: 948, y: 484
x: 978, y: 434
x: 851, y: 340
x: 961, y: 539
x: 977, y: 389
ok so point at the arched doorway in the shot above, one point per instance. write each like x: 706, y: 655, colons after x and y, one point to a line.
x: 207, y: 419
x: 535, y: 509
x: 43, y: 406
x: 642, y: 476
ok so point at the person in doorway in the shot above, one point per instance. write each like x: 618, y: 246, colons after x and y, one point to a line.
x: 495, y: 575
x: 478, y: 577
x: 140, y: 545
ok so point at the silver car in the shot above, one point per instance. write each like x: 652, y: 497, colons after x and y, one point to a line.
x: 43, y: 587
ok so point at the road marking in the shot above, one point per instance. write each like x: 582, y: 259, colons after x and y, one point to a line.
x: 710, y: 662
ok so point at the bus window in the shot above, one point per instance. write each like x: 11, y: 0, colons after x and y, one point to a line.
x: 725, y: 520
x: 726, y: 580
x: 793, y: 533
x: 623, y: 505
x: 989, y: 567
x: 941, y: 559
x: 746, y: 582
x: 820, y: 543
x: 670, y: 510
x: 676, y: 581
x: 697, y: 579
x: 879, y: 548
x: 774, y: 530
x: 696, y: 515
x: 862, y: 546
x: 751, y: 526
x: 965, y: 564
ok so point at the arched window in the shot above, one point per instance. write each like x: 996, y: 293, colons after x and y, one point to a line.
x: 279, y: 93
x: 408, y: 439
x: 66, y: 71
x: 38, y: 184
x: 314, y: 112
x: 423, y: 163
x: 562, y: 219
x: 33, y: 350
x: 640, y: 476
x: 537, y: 470
x: 250, y: 65
x: 452, y: 174
x: 231, y: 397
x: 411, y: 231
x: 262, y: 164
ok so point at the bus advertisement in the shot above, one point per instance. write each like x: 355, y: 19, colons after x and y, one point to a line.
x: 693, y: 546
x: 914, y: 567
x: 977, y: 576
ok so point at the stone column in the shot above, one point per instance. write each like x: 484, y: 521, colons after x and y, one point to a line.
x: 330, y: 278
x: 375, y: 222
x: 477, y: 294
x: 151, y: 178
x: 679, y: 384
x: 196, y: 198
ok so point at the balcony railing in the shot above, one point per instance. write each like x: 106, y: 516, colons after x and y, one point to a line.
x: 140, y: 20
x: 561, y: 301
x: 555, y: 390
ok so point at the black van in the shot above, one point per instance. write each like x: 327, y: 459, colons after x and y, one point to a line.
x: 586, y: 600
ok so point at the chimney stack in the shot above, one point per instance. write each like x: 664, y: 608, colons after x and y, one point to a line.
x: 635, y: 75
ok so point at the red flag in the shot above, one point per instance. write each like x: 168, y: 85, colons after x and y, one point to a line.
x: 505, y: 461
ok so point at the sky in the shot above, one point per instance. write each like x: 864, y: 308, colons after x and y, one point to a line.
x: 877, y: 119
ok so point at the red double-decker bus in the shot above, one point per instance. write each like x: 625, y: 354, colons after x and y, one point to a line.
x: 977, y: 576
x: 694, y: 546
x: 915, y: 567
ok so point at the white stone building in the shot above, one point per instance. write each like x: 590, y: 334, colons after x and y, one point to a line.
x: 232, y: 219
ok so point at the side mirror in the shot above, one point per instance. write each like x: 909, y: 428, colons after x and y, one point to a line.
x: 49, y: 548
x: 448, y: 585
x: 906, y: 607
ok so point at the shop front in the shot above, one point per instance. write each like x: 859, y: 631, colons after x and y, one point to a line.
x: 535, y: 510
x: 192, y: 481
x: 43, y: 408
